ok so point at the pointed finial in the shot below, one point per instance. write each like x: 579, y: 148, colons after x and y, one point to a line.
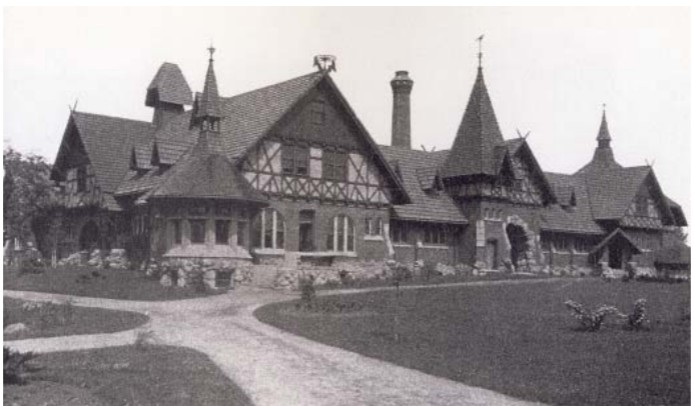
x: 211, y: 49
x: 479, y: 50
x: 604, y: 106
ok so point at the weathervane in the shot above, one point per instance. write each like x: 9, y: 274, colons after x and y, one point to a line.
x: 325, y: 63
x: 479, y: 49
x: 211, y: 49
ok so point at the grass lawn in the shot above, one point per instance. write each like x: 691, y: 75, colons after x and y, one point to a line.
x: 111, y: 284
x: 519, y: 340
x: 431, y: 280
x: 153, y: 375
x: 62, y: 319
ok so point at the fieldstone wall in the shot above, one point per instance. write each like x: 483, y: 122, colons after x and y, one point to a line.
x: 202, y: 273
x: 115, y: 258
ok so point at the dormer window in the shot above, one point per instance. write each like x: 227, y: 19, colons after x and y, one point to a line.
x: 81, y: 179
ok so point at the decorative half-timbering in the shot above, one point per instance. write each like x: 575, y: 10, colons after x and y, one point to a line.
x: 288, y: 174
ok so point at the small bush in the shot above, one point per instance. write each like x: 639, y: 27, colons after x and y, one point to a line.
x: 590, y: 321
x: 308, y: 292
x: 33, y: 266
x: 48, y: 314
x: 144, y: 339
x: 637, y: 319
x: 15, y: 365
x: 197, y: 282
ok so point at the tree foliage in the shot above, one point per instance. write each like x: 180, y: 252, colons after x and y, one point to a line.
x: 28, y: 192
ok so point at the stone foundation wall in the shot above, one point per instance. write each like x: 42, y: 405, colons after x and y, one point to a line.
x: 202, y: 273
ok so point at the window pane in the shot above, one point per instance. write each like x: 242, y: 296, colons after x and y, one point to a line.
x: 176, y: 225
x: 221, y: 231
x: 350, y: 234
x: 197, y: 231
x: 241, y: 233
x: 340, y: 233
x: 280, y: 231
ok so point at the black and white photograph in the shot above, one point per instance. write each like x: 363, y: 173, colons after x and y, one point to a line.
x: 308, y: 206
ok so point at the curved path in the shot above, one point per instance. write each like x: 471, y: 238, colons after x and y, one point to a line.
x: 273, y: 367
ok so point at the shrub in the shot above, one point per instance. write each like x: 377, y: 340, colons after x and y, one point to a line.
x: 47, y: 314
x: 590, y: 321
x: 308, y: 292
x: 637, y: 319
x: 429, y: 269
x: 15, y: 365
x: 31, y: 266
x: 197, y: 282
x: 144, y: 339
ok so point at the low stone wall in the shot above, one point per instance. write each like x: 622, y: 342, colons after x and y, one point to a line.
x: 115, y: 258
x: 202, y: 273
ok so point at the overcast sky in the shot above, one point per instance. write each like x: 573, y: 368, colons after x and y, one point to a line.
x: 548, y: 70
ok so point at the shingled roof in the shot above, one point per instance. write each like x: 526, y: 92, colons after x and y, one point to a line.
x: 204, y: 172
x: 473, y: 149
x: 576, y: 219
x: 109, y: 142
x: 168, y: 86
x: 425, y: 207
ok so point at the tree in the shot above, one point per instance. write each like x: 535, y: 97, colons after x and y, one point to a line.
x: 28, y: 193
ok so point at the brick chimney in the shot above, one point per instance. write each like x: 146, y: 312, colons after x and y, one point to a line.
x: 402, y: 87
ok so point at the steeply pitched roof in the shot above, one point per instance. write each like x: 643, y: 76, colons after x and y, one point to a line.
x: 603, y: 157
x: 426, y: 207
x: 677, y: 212
x: 679, y: 254
x: 169, y: 86
x: 109, y: 142
x: 611, y: 191
x: 473, y: 149
x: 204, y: 172
x: 578, y: 219
x: 208, y: 104
x: 618, y: 233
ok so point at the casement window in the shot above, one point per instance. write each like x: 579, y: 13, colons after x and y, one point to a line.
x: 335, y: 166
x: 373, y: 226
x: 81, y: 179
x: 561, y: 242
x: 221, y: 232
x: 177, y: 231
x: 318, y: 112
x: 399, y: 232
x: 268, y: 229
x: 546, y: 242
x: 197, y: 231
x: 434, y: 234
x: 581, y: 245
x: 295, y: 160
x: 341, y: 234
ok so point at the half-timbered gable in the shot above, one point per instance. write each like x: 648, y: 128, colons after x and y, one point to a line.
x: 289, y: 172
x: 317, y: 152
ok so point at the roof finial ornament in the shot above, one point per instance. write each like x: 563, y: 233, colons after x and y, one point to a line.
x: 211, y: 49
x: 479, y: 50
x: 325, y: 63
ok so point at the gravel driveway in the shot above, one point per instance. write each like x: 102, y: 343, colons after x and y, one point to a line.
x: 272, y: 366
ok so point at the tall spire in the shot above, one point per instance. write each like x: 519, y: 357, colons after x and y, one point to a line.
x: 603, y: 157
x: 208, y: 110
x: 604, y: 133
x: 473, y: 149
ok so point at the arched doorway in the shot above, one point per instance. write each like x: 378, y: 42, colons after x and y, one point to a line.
x: 519, y: 246
x: 89, y: 236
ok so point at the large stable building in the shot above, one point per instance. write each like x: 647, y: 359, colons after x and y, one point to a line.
x: 289, y: 170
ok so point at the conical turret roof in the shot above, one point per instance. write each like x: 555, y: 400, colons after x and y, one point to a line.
x: 473, y: 149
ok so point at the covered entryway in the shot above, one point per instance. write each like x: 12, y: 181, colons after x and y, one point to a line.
x: 89, y: 236
x: 492, y: 254
x: 519, y: 244
x: 616, y: 249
